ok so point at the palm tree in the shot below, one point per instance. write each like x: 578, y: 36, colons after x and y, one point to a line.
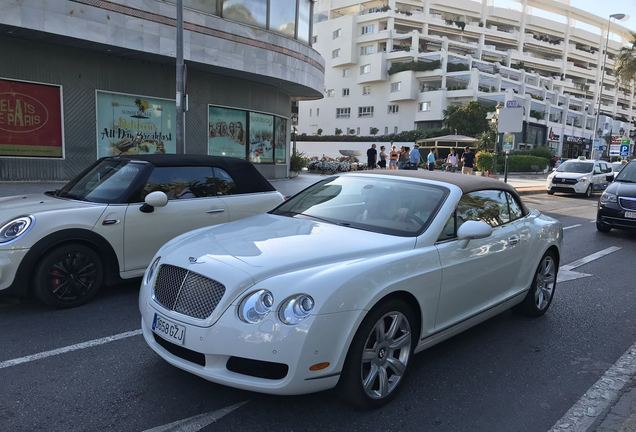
x: 626, y: 62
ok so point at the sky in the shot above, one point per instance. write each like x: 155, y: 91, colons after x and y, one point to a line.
x: 605, y: 7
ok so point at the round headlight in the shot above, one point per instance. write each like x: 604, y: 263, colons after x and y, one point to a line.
x: 151, y: 270
x: 255, y: 306
x: 295, y: 309
x: 608, y: 197
x: 15, y: 228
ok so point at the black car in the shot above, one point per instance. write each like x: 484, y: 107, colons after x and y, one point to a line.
x: 617, y: 206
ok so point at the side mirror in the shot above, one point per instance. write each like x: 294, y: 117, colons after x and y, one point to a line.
x: 152, y: 200
x: 472, y: 230
x: 609, y: 178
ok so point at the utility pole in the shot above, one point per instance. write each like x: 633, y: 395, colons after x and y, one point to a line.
x: 180, y: 97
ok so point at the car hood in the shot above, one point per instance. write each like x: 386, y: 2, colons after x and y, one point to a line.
x: 266, y: 245
x: 623, y: 189
x: 569, y: 175
x: 22, y: 205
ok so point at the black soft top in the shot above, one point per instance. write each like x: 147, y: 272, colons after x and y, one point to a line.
x: 248, y: 179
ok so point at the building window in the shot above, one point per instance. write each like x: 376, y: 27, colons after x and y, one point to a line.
x: 395, y: 130
x: 310, y: 111
x: 365, y: 111
x: 386, y: 130
x: 314, y: 39
x: 357, y: 131
x: 330, y: 92
x: 424, y: 106
x: 396, y: 86
x: 336, y: 34
x: 366, y: 29
x: 393, y: 109
x: 367, y: 49
x: 282, y: 17
x: 304, y: 17
x: 365, y: 69
x: 335, y: 53
x: 317, y: 112
x: 366, y: 90
x: 345, y: 92
x: 235, y: 10
x: 346, y: 73
x: 343, y: 112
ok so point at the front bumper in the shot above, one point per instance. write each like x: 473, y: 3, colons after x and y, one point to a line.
x: 10, y: 260
x: 318, y: 339
x: 612, y: 214
x: 579, y: 187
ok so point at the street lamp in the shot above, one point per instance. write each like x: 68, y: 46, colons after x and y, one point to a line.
x: 617, y: 17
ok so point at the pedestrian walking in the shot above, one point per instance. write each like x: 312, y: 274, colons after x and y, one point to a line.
x: 414, y: 157
x: 403, y: 159
x: 372, y: 157
x: 393, y: 158
x: 468, y: 161
x: 383, y: 155
x: 451, y: 161
x: 431, y: 160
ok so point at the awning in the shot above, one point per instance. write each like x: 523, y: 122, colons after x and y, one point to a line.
x: 447, y: 141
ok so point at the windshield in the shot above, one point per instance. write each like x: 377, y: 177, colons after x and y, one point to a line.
x: 576, y: 167
x: 627, y: 174
x: 109, y: 181
x: 386, y: 206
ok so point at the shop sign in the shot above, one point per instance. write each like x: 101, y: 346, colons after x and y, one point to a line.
x: 132, y: 124
x: 30, y: 120
x: 227, y: 132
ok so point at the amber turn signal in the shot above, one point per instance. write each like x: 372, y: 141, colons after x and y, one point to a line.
x: 319, y: 366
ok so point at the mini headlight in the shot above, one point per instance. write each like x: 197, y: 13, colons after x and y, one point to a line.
x: 295, y: 309
x: 583, y: 179
x: 151, y: 270
x: 15, y: 228
x: 608, y: 197
x: 255, y: 306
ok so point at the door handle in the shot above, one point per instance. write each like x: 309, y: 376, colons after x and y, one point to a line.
x: 215, y: 211
x: 513, y: 240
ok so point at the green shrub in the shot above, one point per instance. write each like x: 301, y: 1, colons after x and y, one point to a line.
x: 522, y: 163
x: 484, y: 161
x: 418, y: 66
x: 456, y: 67
x: 298, y: 161
x: 543, y: 152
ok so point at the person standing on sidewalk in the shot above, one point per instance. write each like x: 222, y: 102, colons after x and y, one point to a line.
x: 372, y: 157
x: 431, y: 160
x: 451, y: 161
x: 414, y: 157
x: 393, y: 158
x: 382, y: 163
x: 468, y: 160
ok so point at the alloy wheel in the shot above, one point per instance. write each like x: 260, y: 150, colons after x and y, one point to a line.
x: 545, y: 282
x: 387, y: 351
x: 72, y: 276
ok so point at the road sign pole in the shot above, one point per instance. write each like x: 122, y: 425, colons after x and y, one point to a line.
x: 506, y: 168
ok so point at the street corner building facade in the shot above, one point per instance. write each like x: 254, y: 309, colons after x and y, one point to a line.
x: 397, y: 65
x: 84, y: 79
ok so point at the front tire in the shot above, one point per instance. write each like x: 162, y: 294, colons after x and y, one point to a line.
x: 68, y: 276
x: 379, y: 355
x: 603, y: 227
x: 550, y: 192
x: 541, y: 293
x: 588, y: 192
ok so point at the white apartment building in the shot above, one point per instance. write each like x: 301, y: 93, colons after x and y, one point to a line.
x: 396, y: 65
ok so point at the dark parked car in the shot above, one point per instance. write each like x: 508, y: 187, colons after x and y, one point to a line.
x: 617, y: 206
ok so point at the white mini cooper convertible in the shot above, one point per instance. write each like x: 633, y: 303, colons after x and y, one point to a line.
x: 107, y: 223
x: 345, y: 281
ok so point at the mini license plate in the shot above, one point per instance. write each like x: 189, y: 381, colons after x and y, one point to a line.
x: 168, y: 330
x: 630, y: 215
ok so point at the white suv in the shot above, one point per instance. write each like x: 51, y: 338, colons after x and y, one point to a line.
x: 580, y: 176
x: 107, y: 223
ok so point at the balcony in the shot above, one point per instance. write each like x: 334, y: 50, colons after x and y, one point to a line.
x: 532, y: 40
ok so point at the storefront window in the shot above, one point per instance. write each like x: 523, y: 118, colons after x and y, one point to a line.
x: 261, y: 138
x: 212, y: 7
x: 253, y: 12
x: 280, y: 140
x: 227, y: 132
x: 304, y: 12
x: 282, y: 17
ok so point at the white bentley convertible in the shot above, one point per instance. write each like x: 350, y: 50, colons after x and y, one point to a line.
x: 344, y: 282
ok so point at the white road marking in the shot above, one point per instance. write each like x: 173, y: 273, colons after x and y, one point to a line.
x: 64, y: 350
x: 197, y: 422
x: 600, y: 397
x: 567, y: 273
x: 571, y: 226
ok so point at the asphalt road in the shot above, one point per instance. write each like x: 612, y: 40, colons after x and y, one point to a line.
x: 510, y: 373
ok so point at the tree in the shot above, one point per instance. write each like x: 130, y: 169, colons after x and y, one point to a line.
x: 469, y: 119
x: 338, y: 131
x: 626, y: 62
x: 374, y: 131
x: 488, y: 139
x: 319, y: 132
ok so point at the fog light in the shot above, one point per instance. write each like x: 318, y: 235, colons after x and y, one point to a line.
x: 319, y: 366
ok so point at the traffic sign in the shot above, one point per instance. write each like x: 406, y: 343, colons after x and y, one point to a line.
x: 624, y: 151
x: 508, y: 142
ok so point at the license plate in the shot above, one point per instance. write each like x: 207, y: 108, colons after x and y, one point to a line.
x: 630, y: 215
x: 168, y: 330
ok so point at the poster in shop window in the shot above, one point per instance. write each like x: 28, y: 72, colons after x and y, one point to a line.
x: 30, y: 120
x: 131, y: 124
x: 227, y: 132
x: 261, y: 138
x: 280, y: 140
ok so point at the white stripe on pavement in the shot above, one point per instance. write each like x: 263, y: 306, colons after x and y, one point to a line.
x: 197, y: 422
x: 571, y: 226
x: 63, y: 350
x: 590, y: 258
x: 600, y: 397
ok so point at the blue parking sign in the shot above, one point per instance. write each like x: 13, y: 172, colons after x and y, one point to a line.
x: 624, y: 150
